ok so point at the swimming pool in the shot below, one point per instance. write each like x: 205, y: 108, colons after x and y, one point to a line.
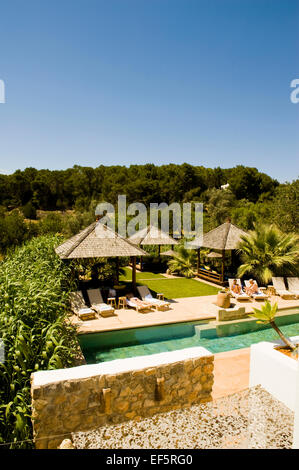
x: 119, y: 344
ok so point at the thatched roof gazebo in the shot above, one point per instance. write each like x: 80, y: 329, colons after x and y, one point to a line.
x: 99, y: 241
x: 168, y: 253
x: 152, y: 235
x: 213, y: 254
x: 225, y: 237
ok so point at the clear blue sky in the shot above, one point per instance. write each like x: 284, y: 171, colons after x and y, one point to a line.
x: 95, y: 82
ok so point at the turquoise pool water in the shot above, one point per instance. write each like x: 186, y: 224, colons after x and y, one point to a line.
x: 107, y: 346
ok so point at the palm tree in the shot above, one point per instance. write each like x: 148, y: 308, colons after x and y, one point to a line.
x: 266, y: 316
x: 266, y: 252
x: 183, y: 262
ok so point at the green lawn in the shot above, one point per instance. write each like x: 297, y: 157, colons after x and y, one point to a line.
x: 139, y: 275
x: 175, y: 288
x: 171, y: 288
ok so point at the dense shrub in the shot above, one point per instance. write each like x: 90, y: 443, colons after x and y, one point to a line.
x: 33, y: 299
x: 29, y: 211
x: 13, y: 230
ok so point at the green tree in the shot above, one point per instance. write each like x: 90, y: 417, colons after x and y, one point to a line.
x: 29, y: 211
x: 266, y: 315
x: 285, y: 207
x: 266, y: 252
x: 249, y: 183
x: 13, y: 230
x: 218, y: 205
x: 183, y: 262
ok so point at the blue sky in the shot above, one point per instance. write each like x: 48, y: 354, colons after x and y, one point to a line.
x: 95, y: 82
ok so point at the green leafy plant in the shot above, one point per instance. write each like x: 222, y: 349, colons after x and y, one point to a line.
x: 34, y: 286
x: 183, y: 262
x: 266, y: 315
x: 98, y: 269
x: 266, y: 252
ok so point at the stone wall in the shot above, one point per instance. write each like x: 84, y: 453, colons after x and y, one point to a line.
x: 232, y: 313
x: 86, y: 397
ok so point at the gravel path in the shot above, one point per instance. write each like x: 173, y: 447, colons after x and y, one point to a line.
x: 251, y: 419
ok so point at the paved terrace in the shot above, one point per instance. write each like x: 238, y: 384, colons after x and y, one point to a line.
x: 181, y: 310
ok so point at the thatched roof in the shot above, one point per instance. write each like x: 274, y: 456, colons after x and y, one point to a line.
x: 224, y: 237
x: 97, y: 241
x: 213, y: 254
x: 168, y: 253
x: 152, y: 235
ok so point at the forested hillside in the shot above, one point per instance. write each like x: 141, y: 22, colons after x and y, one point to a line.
x: 34, y: 202
x: 77, y: 186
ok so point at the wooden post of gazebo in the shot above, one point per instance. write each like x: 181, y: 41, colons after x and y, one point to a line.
x: 152, y: 235
x: 225, y: 237
x: 222, y: 267
x: 134, y: 273
x: 198, y: 261
x: 117, y: 270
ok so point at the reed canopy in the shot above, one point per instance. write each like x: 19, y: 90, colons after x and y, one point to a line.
x: 99, y: 241
x: 152, y: 235
x: 168, y: 253
x: 225, y: 237
x: 213, y: 254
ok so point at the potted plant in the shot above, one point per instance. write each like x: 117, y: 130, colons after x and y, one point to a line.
x: 266, y: 316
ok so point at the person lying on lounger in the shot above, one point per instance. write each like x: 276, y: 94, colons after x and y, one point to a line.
x: 252, y: 288
x: 136, y: 301
x: 236, y: 288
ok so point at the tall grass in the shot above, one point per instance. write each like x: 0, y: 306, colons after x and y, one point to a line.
x: 33, y: 299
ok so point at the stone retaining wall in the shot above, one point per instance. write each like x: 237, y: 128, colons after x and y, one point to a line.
x: 86, y: 397
x: 232, y: 313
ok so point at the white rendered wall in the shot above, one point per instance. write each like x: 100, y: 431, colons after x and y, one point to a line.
x: 274, y: 371
x: 296, y: 419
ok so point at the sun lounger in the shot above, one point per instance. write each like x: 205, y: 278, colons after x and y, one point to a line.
x: 79, y: 307
x: 259, y: 295
x: 279, y: 286
x: 137, y: 304
x: 147, y: 297
x: 242, y: 295
x: 293, y: 284
x: 96, y: 302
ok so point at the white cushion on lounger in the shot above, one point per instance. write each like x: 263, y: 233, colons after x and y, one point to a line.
x: 149, y: 297
x: 85, y: 310
x: 105, y: 307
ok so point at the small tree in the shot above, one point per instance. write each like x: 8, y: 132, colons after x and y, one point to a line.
x: 266, y: 252
x: 183, y: 262
x: 29, y: 211
x: 266, y: 316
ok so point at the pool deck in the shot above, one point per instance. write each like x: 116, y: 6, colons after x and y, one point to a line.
x: 181, y: 310
x: 231, y: 372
